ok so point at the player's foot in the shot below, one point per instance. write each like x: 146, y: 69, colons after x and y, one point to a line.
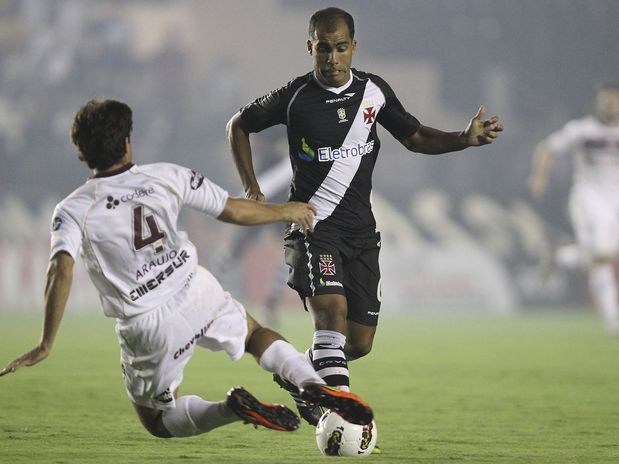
x: 253, y: 411
x: 348, y: 405
x: 308, y: 412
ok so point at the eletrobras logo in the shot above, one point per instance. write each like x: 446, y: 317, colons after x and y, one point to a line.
x: 332, y: 154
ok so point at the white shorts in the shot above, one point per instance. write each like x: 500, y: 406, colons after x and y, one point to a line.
x: 156, y: 346
x: 595, y: 218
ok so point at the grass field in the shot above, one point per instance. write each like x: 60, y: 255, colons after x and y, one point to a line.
x: 532, y: 388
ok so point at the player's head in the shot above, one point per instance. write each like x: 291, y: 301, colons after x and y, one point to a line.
x: 100, y: 131
x: 607, y: 103
x: 332, y: 44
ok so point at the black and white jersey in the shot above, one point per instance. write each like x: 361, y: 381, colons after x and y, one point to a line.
x: 333, y: 142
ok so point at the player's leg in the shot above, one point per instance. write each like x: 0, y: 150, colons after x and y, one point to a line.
x: 190, y: 416
x: 152, y: 422
x: 595, y: 221
x: 156, y: 347
x: 359, y: 340
x: 328, y: 312
x: 316, y: 272
x: 603, y: 287
x: 276, y: 355
x: 363, y: 293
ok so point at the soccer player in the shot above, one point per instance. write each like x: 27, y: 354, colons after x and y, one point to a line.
x: 124, y: 220
x: 331, y: 115
x: 593, y: 144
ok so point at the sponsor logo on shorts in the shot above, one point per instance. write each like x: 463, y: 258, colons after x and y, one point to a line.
x: 373, y: 313
x: 153, y: 283
x: 187, y: 346
x: 326, y: 154
x: 326, y: 265
x: 329, y: 283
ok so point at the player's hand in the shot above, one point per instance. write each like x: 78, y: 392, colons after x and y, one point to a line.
x: 32, y: 357
x: 480, y: 132
x: 255, y: 195
x: 302, y: 214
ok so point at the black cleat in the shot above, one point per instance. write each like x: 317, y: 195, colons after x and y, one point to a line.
x: 348, y: 405
x: 310, y: 413
x: 253, y: 411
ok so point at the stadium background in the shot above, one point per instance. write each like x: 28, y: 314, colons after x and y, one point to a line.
x: 459, y: 230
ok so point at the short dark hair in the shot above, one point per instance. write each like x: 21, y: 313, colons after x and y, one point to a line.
x: 330, y: 16
x: 99, y: 131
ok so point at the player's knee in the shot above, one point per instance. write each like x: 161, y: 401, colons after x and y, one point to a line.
x: 152, y: 421
x: 157, y: 430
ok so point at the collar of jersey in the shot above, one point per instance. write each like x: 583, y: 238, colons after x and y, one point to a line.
x: 120, y: 170
x: 336, y: 90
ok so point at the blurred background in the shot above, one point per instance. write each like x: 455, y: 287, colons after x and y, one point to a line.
x: 459, y: 230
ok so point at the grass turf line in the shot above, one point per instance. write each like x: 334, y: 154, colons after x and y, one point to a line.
x: 535, y: 387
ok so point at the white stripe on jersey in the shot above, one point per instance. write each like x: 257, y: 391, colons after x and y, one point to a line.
x: 330, y: 193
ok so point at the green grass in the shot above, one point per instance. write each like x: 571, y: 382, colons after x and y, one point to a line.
x: 531, y: 388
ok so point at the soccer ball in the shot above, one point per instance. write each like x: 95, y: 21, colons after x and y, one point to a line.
x: 336, y: 437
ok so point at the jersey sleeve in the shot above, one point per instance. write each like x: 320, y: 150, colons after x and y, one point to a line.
x: 197, y: 191
x: 393, y: 116
x: 266, y: 111
x: 66, y: 234
x: 561, y: 142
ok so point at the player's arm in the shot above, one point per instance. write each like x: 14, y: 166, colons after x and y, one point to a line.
x: 432, y: 141
x: 248, y: 212
x: 57, y: 288
x: 240, y: 147
x: 543, y: 159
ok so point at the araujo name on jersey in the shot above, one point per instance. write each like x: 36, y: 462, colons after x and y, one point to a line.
x: 333, y: 154
x: 153, y: 283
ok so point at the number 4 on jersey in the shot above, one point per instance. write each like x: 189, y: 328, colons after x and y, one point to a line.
x: 156, y: 236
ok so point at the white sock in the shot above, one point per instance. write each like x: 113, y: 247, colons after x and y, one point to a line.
x: 329, y: 358
x: 283, y: 359
x: 604, y: 292
x: 193, y: 416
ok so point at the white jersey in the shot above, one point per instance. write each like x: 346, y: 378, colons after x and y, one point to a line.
x: 595, y: 151
x: 125, y: 223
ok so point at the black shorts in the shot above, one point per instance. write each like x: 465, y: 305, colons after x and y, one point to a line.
x: 324, y: 264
